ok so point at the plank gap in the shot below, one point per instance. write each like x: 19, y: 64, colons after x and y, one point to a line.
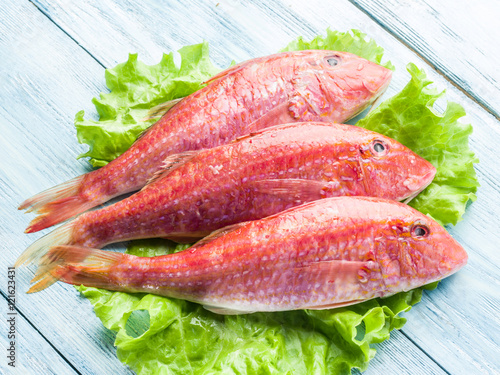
x: 68, y: 35
x: 424, y: 352
x: 440, y: 71
x: 41, y: 335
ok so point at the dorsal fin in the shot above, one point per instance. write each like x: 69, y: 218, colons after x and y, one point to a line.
x: 243, y: 137
x: 170, y: 164
x: 232, y: 69
x: 300, y: 189
x: 264, y: 130
x: 159, y: 110
x: 218, y: 233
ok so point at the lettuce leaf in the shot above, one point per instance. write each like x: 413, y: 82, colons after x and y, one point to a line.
x: 135, y: 88
x: 158, y: 335
x: 353, y: 41
x: 410, y: 118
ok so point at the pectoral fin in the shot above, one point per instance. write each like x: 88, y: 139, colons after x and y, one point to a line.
x: 300, y: 189
x: 218, y: 233
x: 160, y: 109
x: 170, y: 164
x: 333, y: 270
x: 226, y: 311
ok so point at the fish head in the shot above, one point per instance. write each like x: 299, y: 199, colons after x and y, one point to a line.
x: 391, y: 170
x: 349, y: 81
x: 418, y: 251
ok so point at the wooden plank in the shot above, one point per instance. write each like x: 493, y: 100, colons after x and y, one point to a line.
x: 240, y: 31
x: 45, y: 79
x: 458, y: 38
x: 463, y: 312
x: 411, y: 360
x: 33, y: 354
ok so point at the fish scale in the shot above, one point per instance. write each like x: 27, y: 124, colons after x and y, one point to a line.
x: 322, y: 254
x: 260, y: 93
x: 176, y: 194
x: 256, y: 176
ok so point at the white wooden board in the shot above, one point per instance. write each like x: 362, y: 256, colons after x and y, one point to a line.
x: 52, y: 65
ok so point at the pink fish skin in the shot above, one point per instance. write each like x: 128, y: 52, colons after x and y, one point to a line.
x: 297, y: 86
x: 257, y: 176
x: 324, y: 254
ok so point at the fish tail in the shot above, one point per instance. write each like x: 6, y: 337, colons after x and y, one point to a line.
x: 38, y: 249
x: 57, y: 204
x: 75, y: 265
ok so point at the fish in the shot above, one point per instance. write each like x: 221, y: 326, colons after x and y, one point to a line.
x: 313, y: 85
x: 323, y: 254
x: 256, y: 176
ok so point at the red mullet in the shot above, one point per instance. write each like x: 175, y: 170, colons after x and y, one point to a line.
x: 324, y: 254
x: 257, y: 176
x: 297, y: 86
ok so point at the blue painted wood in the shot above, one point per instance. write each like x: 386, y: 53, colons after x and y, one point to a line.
x: 33, y: 354
x: 46, y: 78
x: 455, y: 37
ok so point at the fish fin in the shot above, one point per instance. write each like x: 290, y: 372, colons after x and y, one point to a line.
x: 266, y: 130
x: 59, y: 236
x: 345, y: 272
x: 170, y: 164
x: 333, y: 267
x: 301, y: 189
x: 226, y: 311
x: 57, y: 204
x: 276, y: 116
x: 335, y: 305
x: 160, y: 109
x: 218, y: 233
x: 226, y: 72
x: 76, y: 265
x: 246, y: 136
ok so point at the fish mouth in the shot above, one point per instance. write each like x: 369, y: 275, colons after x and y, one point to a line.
x: 428, y: 178
x: 377, y: 99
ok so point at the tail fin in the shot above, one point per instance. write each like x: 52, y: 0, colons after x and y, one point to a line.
x: 57, y: 204
x: 38, y: 249
x: 76, y: 265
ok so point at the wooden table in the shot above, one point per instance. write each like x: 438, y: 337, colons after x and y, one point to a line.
x: 52, y: 60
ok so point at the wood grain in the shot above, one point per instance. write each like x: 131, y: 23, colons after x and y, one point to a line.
x: 52, y: 66
x: 34, y: 355
x: 46, y: 78
x: 458, y: 38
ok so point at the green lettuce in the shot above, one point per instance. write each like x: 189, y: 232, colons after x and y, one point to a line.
x: 353, y: 41
x: 135, y: 88
x: 410, y: 118
x: 158, y: 335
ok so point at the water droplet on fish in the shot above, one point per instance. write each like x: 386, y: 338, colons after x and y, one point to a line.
x: 360, y: 66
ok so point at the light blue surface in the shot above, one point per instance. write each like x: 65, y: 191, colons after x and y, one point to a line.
x: 52, y: 60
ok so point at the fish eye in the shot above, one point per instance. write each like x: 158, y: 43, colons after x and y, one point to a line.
x: 333, y: 60
x: 379, y: 147
x: 420, y: 230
